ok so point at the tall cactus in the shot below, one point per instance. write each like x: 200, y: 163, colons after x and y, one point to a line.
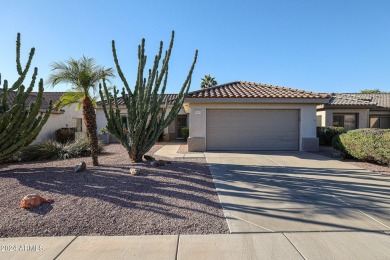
x: 146, y: 119
x: 20, y: 122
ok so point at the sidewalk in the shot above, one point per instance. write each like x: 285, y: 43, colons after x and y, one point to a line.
x: 300, y: 245
x: 171, y: 149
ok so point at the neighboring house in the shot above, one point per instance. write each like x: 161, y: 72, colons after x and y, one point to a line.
x: 64, y: 118
x: 172, y: 132
x: 355, y: 110
x: 67, y: 117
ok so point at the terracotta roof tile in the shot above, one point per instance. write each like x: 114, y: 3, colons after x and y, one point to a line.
x: 380, y: 100
x: 170, y: 98
x: 244, y: 89
x: 47, y: 96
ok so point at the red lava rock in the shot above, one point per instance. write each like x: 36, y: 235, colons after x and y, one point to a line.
x: 32, y: 201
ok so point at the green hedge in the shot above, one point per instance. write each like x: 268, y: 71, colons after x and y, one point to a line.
x: 367, y: 144
x: 326, y: 134
x: 185, y: 131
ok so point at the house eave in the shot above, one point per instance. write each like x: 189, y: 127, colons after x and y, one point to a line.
x: 259, y: 100
x: 327, y: 106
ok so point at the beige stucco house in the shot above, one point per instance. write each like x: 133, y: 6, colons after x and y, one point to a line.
x: 67, y: 117
x: 355, y: 110
x: 243, y: 116
x: 252, y: 116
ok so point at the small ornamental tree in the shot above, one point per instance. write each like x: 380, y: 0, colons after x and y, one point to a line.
x: 83, y: 75
x: 20, y: 120
x: 146, y: 113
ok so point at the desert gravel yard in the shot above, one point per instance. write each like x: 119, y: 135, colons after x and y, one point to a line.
x: 107, y: 200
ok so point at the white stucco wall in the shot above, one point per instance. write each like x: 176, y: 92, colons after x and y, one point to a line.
x: 57, y: 121
x: 198, y: 116
x: 321, y: 118
x: 101, y: 120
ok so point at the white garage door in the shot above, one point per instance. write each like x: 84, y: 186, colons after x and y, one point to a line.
x: 242, y: 129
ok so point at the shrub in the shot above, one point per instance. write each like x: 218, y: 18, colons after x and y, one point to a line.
x: 52, y: 150
x: 365, y: 144
x: 185, y: 132
x: 326, y: 134
x: 161, y: 137
x: 65, y: 135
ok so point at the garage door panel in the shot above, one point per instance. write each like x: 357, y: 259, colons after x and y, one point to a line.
x: 252, y: 129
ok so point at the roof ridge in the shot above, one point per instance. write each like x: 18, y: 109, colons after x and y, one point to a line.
x: 287, y: 88
x: 246, y: 89
x: 354, y: 93
x: 214, y: 87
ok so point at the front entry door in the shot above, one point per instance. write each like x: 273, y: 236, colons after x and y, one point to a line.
x: 181, y: 122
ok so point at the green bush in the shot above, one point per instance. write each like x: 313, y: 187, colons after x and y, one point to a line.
x: 52, y: 150
x: 367, y: 144
x: 161, y: 137
x: 326, y: 134
x: 185, y: 132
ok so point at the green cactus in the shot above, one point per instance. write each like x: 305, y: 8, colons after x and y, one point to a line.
x: 146, y: 114
x: 20, y: 121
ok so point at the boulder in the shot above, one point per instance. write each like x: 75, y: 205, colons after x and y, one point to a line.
x: 135, y: 171
x: 80, y: 167
x: 32, y: 201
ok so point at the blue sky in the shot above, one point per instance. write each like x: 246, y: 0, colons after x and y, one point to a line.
x: 316, y: 45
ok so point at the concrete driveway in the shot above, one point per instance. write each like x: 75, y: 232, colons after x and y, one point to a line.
x: 298, y: 191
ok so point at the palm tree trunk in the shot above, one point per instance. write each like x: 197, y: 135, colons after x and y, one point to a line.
x: 90, y: 122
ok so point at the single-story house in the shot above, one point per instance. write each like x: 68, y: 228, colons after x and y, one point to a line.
x: 67, y: 117
x: 244, y: 116
x: 355, y: 110
x: 252, y: 116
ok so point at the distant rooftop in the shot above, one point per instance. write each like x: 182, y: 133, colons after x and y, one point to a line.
x: 47, y: 96
x: 378, y: 100
x: 170, y: 98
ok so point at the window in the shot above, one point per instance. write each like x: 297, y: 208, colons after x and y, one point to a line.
x: 348, y: 121
x: 78, y: 124
x: 319, y: 120
x: 380, y: 122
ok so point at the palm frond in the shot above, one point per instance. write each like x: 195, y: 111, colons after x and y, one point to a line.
x: 68, y: 99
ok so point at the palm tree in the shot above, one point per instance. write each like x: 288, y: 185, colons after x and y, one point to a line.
x: 208, y: 82
x: 83, y: 75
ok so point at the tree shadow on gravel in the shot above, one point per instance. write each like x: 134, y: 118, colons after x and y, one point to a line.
x: 164, y: 190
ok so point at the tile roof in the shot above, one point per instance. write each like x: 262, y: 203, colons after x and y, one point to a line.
x: 47, y: 96
x: 243, y: 89
x: 170, y: 98
x: 378, y: 100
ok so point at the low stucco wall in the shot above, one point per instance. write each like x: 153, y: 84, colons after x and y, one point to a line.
x: 198, y: 116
